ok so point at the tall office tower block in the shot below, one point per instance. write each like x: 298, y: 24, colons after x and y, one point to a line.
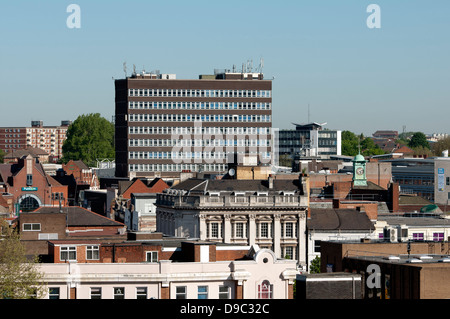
x: 165, y: 125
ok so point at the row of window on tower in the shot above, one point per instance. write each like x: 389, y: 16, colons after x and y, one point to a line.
x: 199, y: 105
x: 200, y: 93
x: 199, y: 130
x: 199, y: 117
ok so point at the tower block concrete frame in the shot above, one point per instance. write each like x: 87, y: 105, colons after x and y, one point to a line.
x: 165, y: 125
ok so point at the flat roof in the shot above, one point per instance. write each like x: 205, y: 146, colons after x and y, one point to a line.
x: 415, y: 221
x: 414, y: 259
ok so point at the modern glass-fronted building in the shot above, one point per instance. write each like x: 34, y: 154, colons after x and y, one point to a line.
x: 309, y: 140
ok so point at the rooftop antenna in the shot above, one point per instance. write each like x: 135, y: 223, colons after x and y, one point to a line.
x: 261, y: 65
x: 125, y: 68
x: 249, y: 66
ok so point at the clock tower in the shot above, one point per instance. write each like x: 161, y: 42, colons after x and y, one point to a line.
x: 359, y: 171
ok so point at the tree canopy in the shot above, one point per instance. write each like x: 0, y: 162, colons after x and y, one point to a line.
x: 418, y: 139
x: 89, y: 137
x: 440, y: 146
x: 19, y: 276
x: 351, y: 143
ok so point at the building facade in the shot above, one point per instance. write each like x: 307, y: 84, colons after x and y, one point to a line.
x: 165, y: 125
x: 442, y: 180
x: 48, y: 138
x: 415, y: 176
x: 308, y: 141
x: 402, y: 270
x: 71, y: 223
x: 270, y: 213
x: 255, y: 275
x: 29, y: 186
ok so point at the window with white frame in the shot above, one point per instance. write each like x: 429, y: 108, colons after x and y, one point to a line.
x: 180, y: 292
x: 265, y: 290
x: 31, y: 227
x: 141, y: 292
x: 289, y: 252
x: 202, y: 292
x: 317, y: 246
x: 239, y: 230
x: 96, y: 293
x: 264, y: 230
x: 92, y: 252
x: 289, y: 229
x: 68, y: 253
x: 152, y: 256
x: 119, y: 292
x: 214, y: 229
x: 53, y: 293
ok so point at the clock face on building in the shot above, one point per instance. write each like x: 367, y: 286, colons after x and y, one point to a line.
x: 359, y: 171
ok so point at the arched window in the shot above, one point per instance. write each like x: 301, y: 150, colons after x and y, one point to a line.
x: 265, y: 290
x: 29, y: 203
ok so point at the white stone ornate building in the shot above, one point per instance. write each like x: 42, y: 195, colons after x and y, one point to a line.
x: 269, y: 213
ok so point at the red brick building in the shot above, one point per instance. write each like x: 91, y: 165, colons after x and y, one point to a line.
x: 29, y: 185
x: 68, y: 223
x: 407, y: 270
x: 141, y: 247
x: 48, y: 138
x: 82, y: 173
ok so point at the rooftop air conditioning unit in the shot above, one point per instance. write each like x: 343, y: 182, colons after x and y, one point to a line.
x: 391, y: 234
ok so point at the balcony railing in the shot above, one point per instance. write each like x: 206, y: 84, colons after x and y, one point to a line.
x: 231, y: 201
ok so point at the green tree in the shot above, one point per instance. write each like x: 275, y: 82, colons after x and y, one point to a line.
x: 349, y: 143
x: 2, y: 155
x: 418, y: 139
x: 421, y: 151
x: 352, y: 142
x: 19, y: 276
x: 315, y: 266
x: 441, y: 145
x: 89, y: 138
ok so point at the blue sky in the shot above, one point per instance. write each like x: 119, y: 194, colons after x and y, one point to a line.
x: 320, y: 53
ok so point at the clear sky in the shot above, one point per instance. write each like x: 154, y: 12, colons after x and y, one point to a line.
x: 320, y: 53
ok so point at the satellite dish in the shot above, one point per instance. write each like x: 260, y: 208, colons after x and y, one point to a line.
x: 231, y: 172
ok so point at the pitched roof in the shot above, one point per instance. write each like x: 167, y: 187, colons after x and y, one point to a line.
x: 79, y: 216
x: 33, y: 151
x: 157, y: 185
x: 339, y: 219
x: 81, y: 164
x: 404, y: 149
x: 9, y: 170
